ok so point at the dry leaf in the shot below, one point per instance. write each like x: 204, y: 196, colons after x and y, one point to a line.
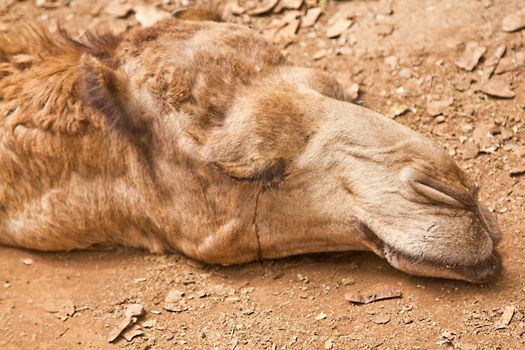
x: 149, y: 324
x: 497, y: 88
x: 338, y: 27
x: 483, y: 136
x: 381, y: 319
x: 397, y: 110
x: 248, y: 312
x: 439, y: 107
x: 264, y: 8
x: 119, y: 328
x: 414, y: 87
x: 148, y: 15
x: 173, y: 296
x: 471, y: 56
x: 320, y: 54
x: 320, y: 316
x: 514, y: 21
x: 506, y: 134
x: 509, y: 64
x: 289, y: 5
x: 27, y: 261
x: 470, y: 150
x: 130, y: 317
x: 492, y: 61
x: 47, y: 5
x: 461, y: 83
x: 446, y: 338
x: 312, y: 15
x: 134, y: 310
x: 117, y: 9
x: 506, y: 317
x: 176, y: 307
x: 366, y: 298
x: 302, y: 278
x: 202, y: 294
x: 384, y: 29
x: 132, y: 332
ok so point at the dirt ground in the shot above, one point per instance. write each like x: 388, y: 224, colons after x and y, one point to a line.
x: 405, y: 56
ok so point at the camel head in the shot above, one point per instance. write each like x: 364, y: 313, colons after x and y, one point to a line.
x: 337, y: 176
x: 252, y: 158
x: 341, y: 177
x: 326, y: 175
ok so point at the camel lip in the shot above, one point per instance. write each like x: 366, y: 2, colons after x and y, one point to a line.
x: 479, y: 272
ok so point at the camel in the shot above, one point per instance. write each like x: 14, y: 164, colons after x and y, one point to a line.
x: 196, y: 136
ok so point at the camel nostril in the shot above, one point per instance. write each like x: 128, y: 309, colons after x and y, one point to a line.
x: 438, y: 190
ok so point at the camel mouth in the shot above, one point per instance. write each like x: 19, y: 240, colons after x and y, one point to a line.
x: 480, y: 272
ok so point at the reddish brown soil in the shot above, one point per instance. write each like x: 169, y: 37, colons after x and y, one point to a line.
x: 279, y: 304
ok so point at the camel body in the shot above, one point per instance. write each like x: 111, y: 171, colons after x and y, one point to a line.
x: 198, y: 137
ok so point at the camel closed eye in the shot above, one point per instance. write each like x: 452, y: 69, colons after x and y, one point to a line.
x: 436, y: 195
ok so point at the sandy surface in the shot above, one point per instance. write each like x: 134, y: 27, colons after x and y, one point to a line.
x: 401, y: 61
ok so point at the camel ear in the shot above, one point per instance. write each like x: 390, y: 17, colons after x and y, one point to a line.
x: 107, y: 90
x: 263, y: 134
x: 236, y: 162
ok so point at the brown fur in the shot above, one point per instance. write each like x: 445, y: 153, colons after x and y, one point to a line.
x: 70, y: 114
x: 196, y: 136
